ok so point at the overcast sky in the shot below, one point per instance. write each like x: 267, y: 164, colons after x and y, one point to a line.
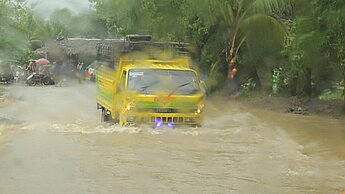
x: 46, y: 7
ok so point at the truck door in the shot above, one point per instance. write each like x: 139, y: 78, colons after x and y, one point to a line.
x: 120, y: 92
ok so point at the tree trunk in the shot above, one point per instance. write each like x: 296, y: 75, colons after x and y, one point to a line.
x: 293, y: 86
x: 307, y: 84
x: 256, y: 78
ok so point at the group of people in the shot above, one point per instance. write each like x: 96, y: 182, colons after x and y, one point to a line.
x: 85, y: 73
x: 55, y: 72
x: 40, y: 71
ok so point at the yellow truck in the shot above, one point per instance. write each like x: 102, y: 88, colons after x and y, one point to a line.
x: 152, y: 90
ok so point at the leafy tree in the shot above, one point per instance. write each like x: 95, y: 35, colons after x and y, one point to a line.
x: 312, y: 56
x: 253, y: 23
x: 12, y: 39
x: 333, y: 17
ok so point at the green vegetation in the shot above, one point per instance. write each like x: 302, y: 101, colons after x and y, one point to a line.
x: 283, y: 47
x: 331, y: 95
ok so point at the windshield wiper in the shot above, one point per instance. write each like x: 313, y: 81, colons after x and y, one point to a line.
x: 178, y: 87
x: 144, y: 88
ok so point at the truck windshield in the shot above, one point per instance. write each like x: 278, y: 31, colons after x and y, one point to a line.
x: 150, y: 81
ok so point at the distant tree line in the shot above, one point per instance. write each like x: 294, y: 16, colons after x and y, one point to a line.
x: 285, y: 47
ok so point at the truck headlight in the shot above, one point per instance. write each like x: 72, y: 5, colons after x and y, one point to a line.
x: 200, y: 108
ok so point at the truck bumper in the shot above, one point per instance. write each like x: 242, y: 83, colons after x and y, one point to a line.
x: 166, y: 118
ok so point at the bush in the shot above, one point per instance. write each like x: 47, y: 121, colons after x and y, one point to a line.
x: 247, y: 87
x: 331, y: 94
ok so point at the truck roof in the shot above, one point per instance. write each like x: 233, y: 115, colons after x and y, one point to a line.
x: 157, y: 66
x: 178, y: 63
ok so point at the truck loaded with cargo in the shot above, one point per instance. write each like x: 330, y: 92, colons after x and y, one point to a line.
x: 150, y: 82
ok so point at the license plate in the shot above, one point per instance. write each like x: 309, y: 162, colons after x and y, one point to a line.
x: 163, y: 110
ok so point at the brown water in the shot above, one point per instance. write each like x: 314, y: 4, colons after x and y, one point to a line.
x: 52, y: 142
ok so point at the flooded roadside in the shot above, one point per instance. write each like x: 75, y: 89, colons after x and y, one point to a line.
x: 319, y: 136
x: 58, y: 145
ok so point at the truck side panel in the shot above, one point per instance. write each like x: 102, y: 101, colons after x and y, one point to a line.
x: 106, y: 81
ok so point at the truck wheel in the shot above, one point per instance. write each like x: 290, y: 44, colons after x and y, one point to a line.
x: 104, y: 116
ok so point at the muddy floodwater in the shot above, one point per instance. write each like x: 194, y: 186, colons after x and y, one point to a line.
x: 52, y: 141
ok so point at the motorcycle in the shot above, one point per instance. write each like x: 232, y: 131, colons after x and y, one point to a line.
x: 36, y: 79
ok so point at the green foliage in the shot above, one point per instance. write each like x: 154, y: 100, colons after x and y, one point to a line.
x: 314, y: 45
x: 278, y: 81
x: 27, y: 56
x: 248, y: 87
x: 329, y: 94
x: 36, y: 44
x: 334, y: 27
x: 251, y: 23
x: 12, y: 38
x: 294, y: 58
x: 215, y: 77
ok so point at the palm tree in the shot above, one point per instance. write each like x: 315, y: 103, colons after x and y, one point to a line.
x: 241, y: 19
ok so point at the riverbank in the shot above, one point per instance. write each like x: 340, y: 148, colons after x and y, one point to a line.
x: 293, y: 105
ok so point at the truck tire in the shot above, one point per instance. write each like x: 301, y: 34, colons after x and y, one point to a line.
x: 104, y: 116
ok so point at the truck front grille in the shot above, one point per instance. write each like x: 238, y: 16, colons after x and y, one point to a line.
x: 163, y: 120
x: 165, y: 110
x: 174, y: 120
x: 167, y: 119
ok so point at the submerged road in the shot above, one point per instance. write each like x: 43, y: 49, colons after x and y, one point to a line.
x: 52, y: 141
